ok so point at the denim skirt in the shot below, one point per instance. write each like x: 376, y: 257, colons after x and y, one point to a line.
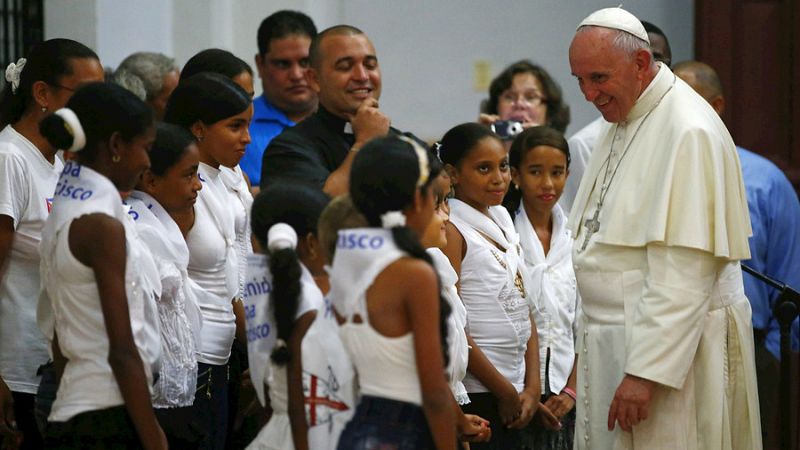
x: 383, y: 423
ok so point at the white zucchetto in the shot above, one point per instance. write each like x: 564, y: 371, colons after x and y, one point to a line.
x: 617, y: 19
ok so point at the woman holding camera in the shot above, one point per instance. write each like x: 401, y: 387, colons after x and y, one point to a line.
x: 525, y: 93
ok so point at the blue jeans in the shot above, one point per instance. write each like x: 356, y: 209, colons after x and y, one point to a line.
x: 211, y: 404
x: 383, y: 423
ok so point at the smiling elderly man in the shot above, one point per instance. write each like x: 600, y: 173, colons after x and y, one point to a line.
x: 660, y: 221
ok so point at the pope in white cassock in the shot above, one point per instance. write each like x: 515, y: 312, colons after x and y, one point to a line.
x: 665, y: 350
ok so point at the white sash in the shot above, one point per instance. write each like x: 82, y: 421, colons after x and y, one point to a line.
x: 546, y: 303
x: 81, y: 191
x: 261, y: 331
x: 361, y: 254
x: 538, y: 263
x: 323, y: 352
x: 498, y: 227
x: 165, y: 240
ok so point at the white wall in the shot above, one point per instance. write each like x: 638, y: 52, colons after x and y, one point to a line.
x: 427, y: 49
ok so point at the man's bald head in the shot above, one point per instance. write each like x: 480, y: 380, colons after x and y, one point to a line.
x: 703, y: 79
x: 314, y: 53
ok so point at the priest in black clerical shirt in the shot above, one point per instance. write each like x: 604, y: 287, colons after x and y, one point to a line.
x: 319, y: 150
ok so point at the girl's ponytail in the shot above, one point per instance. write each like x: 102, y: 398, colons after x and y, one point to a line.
x: 286, y: 289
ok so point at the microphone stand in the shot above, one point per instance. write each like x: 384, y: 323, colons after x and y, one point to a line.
x: 786, y: 309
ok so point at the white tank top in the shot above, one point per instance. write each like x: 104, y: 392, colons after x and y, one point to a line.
x: 88, y: 384
x: 386, y: 366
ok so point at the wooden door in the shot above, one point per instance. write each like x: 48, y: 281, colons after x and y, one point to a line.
x: 755, y: 47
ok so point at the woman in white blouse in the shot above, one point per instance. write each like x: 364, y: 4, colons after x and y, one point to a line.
x: 36, y: 86
x: 217, y: 112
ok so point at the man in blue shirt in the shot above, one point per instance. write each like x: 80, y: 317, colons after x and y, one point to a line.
x: 282, y: 63
x: 774, y: 245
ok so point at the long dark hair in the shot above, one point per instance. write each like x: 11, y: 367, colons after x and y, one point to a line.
x: 102, y: 109
x: 377, y: 187
x: 298, y: 206
x: 47, y: 61
x: 523, y: 143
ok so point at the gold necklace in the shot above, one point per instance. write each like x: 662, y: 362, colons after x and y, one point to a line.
x: 517, y: 278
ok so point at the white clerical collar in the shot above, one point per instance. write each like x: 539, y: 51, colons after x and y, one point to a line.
x: 348, y: 128
x: 653, y: 93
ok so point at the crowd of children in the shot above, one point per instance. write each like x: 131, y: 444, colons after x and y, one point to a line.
x: 433, y: 306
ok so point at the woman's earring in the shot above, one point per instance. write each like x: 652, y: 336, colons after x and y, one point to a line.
x: 516, y: 186
x: 44, y: 108
x: 199, y: 138
x: 115, y: 158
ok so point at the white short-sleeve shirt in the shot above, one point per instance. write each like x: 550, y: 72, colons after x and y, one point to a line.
x: 27, y: 182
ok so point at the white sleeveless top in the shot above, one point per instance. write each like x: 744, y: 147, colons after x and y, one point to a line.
x: 88, y: 384
x: 386, y: 366
x: 497, y: 313
x: 178, y: 314
x: 328, y: 375
x: 214, y: 265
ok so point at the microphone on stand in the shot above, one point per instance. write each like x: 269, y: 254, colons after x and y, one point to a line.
x: 786, y: 309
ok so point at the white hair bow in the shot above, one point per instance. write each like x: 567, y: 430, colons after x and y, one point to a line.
x: 13, y: 72
x: 392, y: 219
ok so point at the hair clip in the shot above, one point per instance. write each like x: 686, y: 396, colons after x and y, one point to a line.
x: 13, y: 72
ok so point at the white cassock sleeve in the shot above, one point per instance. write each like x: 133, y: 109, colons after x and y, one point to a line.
x: 669, y: 318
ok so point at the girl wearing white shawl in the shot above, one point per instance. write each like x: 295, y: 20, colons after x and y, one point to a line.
x: 163, y: 208
x: 483, y: 247
x: 100, y: 279
x: 294, y: 346
x: 539, y: 159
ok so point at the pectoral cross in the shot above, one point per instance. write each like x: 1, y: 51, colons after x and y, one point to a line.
x: 592, y: 226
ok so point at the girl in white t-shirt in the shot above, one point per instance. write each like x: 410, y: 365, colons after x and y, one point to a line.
x: 99, y: 277
x: 35, y: 87
x: 227, y: 64
x: 217, y: 112
x: 294, y: 346
x: 483, y: 247
x: 539, y: 159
